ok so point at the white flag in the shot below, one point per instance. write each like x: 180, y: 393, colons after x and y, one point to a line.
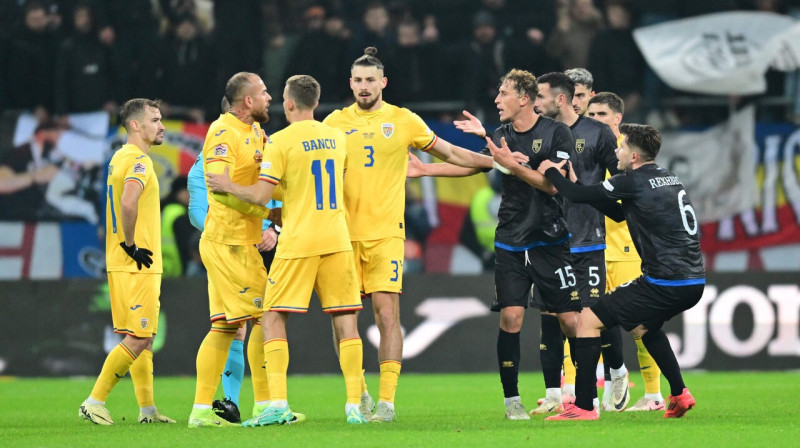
x: 723, y: 54
x: 717, y: 166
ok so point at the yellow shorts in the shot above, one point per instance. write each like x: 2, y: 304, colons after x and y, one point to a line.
x: 332, y: 276
x: 134, y: 303
x: 619, y: 272
x: 379, y: 265
x: 236, y: 281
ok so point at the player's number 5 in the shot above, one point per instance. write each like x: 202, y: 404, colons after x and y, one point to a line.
x: 316, y: 170
x: 687, y: 209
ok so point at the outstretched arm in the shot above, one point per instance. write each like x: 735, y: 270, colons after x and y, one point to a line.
x: 504, y: 157
x: 593, y: 195
x: 417, y: 168
x: 258, y: 193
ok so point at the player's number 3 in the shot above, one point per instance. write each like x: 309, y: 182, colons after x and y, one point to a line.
x: 686, y: 210
x: 370, y: 156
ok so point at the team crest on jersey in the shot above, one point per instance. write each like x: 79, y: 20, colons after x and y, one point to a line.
x: 139, y: 168
x: 580, y: 144
x: 143, y: 322
x: 387, y: 129
x: 257, y: 156
x: 258, y: 302
x: 221, y: 150
x: 537, y: 145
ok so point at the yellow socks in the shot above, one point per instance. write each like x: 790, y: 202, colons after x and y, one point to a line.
x: 390, y: 372
x: 211, y: 358
x: 276, y: 354
x: 117, y: 364
x: 569, y: 368
x: 255, y: 357
x: 142, y: 376
x: 651, y: 374
x: 351, y: 360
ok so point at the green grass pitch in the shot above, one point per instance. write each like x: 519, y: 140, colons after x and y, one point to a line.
x: 733, y: 410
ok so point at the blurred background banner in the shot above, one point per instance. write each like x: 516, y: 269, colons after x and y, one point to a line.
x: 743, y: 322
x: 716, y: 165
x: 723, y: 54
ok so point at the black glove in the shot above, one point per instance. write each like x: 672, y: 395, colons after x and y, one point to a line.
x: 139, y: 254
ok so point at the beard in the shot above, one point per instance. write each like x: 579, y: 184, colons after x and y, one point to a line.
x: 366, y: 104
x: 261, y: 116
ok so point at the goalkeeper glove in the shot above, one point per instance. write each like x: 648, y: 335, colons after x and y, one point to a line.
x: 139, y: 254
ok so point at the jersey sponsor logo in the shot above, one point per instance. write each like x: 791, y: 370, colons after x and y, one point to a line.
x: 387, y: 129
x: 580, y: 144
x: 139, y: 168
x: 350, y: 131
x: 258, y: 302
x: 244, y: 290
x: 141, y: 156
x: 608, y: 185
x: 143, y: 322
x: 221, y: 150
x: 562, y: 155
x: 574, y: 296
x: 266, y: 165
x: 219, y: 133
x: 536, y: 145
x: 247, y: 142
x: 594, y: 292
x: 134, y: 308
x: 257, y: 156
x: 271, y: 281
x: 508, y: 363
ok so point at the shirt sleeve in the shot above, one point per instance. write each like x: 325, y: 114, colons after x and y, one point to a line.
x: 198, y: 195
x: 273, y: 165
x: 606, y: 153
x: 140, y: 171
x: 595, y: 195
x: 219, y: 152
x: 563, y: 145
x: 422, y: 137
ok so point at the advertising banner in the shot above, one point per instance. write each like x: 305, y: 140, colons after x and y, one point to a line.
x: 743, y: 322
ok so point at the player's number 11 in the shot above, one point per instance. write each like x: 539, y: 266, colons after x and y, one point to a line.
x: 316, y: 170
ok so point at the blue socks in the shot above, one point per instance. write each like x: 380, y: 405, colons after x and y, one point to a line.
x: 233, y: 374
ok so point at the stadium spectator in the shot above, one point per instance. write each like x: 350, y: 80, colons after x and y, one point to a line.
x: 176, y: 230
x: 237, y: 34
x: 483, y: 60
x: 86, y: 68
x: 373, y: 31
x: 25, y: 173
x: 577, y: 23
x: 412, y: 60
x: 614, y: 58
x: 29, y: 80
x: 185, y: 82
x: 320, y: 52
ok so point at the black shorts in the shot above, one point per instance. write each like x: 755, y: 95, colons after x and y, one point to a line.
x: 519, y: 276
x: 640, y: 302
x: 590, y: 272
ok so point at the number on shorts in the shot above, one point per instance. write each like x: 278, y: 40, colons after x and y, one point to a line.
x: 567, y: 277
x: 395, y: 271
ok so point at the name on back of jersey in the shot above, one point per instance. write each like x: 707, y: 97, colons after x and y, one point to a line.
x: 664, y: 181
x: 319, y: 143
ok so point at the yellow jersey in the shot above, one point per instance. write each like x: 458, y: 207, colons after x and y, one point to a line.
x: 306, y: 160
x: 377, y: 148
x: 619, y: 244
x: 131, y: 164
x: 239, y: 147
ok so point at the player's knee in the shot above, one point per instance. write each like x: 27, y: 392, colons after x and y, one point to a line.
x: 387, y: 317
x: 511, y: 319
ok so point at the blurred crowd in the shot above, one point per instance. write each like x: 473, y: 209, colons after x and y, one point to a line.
x: 82, y: 55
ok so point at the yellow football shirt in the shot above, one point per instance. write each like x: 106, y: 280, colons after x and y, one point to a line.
x: 239, y: 147
x: 375, y: 185
x: 619, y: 244
x: 131, y: 164
x: 307, y: 160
